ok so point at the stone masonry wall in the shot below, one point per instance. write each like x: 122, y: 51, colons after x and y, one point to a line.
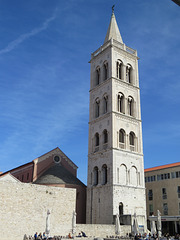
x: 101, y: 230
x: 23, y: 209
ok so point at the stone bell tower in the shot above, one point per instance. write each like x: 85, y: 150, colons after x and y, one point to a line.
x: 115, y: 152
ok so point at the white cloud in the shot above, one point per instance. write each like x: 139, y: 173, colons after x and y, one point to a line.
x: 25, y: 36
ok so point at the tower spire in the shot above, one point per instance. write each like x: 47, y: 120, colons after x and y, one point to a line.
x: 113, y: 30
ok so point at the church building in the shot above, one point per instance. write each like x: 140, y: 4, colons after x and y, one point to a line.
x: 115, y: 153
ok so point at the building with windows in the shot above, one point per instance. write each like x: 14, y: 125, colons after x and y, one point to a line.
x: 115, y: 155
x: 163, y: 194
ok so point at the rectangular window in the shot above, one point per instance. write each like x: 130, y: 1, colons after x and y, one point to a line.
x: 178, y: 191
x: 165, y: 208
x: 150, y: 209
x: 150, y: 195
x: 158, y: 177
x: 173, y: 175
x: 162, y: 176
x: 168, y: 175
x: 164, y: 193
x: 177, y: 174
x: 149, y: 179
x: 145, y: 179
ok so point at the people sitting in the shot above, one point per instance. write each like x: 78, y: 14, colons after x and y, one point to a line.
x: 69, y: 235
x: 83, y: 234
x: 79, y: 235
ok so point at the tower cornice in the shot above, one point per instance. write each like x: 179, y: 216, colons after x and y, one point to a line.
x: 114, y: 43
x: 100, y: 152
x: 120, y: 115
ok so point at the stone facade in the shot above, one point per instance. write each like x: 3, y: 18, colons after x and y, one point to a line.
x: 24, y: 206
x: 115, y: 160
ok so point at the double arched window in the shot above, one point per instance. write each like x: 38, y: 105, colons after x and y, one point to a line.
x: 100, y: 176
x: 125, y: 72
x: 101, y: 73
x: 101, y: 106
x: 132, y: 140
x: 97, y: 145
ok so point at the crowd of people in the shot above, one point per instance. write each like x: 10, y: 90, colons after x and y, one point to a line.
x: 83, y: 234
x: 44, y: 236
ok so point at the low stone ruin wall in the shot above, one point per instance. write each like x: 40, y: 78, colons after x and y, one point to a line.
x: 23, y: 209
x: 101, y: 230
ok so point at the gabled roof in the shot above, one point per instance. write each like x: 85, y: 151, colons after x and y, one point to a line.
x: 41, y: 158
x: 57, y: 174
x: 113, y: 30
x: 162, y: 167
x: 16, y: 168
x: 57, y: 151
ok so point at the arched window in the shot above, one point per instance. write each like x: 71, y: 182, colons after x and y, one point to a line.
x: 123, y: 174
x: 96, y: 142
x: 132, y: 141
x: 129, y: 73
x: 133, y: 176
x: 104, y: 174
x: 130, y: 106
x: 120, y: 208
x: 97, y: 75
x: 97, y: 107
x: 121, y: 138
x: 105, y: 136
x: 95, y: 171
x: 121, y: 103
x: 105, y: 139
x: 105, y: 103
x: 119, y: 66
x: 105, y: 68
x: 97, y: 139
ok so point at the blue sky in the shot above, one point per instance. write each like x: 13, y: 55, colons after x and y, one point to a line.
x: 45, y: 47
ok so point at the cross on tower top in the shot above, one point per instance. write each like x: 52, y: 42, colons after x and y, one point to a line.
x: 113, y: 8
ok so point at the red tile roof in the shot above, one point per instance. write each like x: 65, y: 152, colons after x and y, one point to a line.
x: 162, y: 167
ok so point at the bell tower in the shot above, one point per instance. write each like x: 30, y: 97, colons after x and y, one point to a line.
x: 115, y: 153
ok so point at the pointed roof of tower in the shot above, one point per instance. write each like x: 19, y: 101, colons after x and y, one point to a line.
x: 113, y: 30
